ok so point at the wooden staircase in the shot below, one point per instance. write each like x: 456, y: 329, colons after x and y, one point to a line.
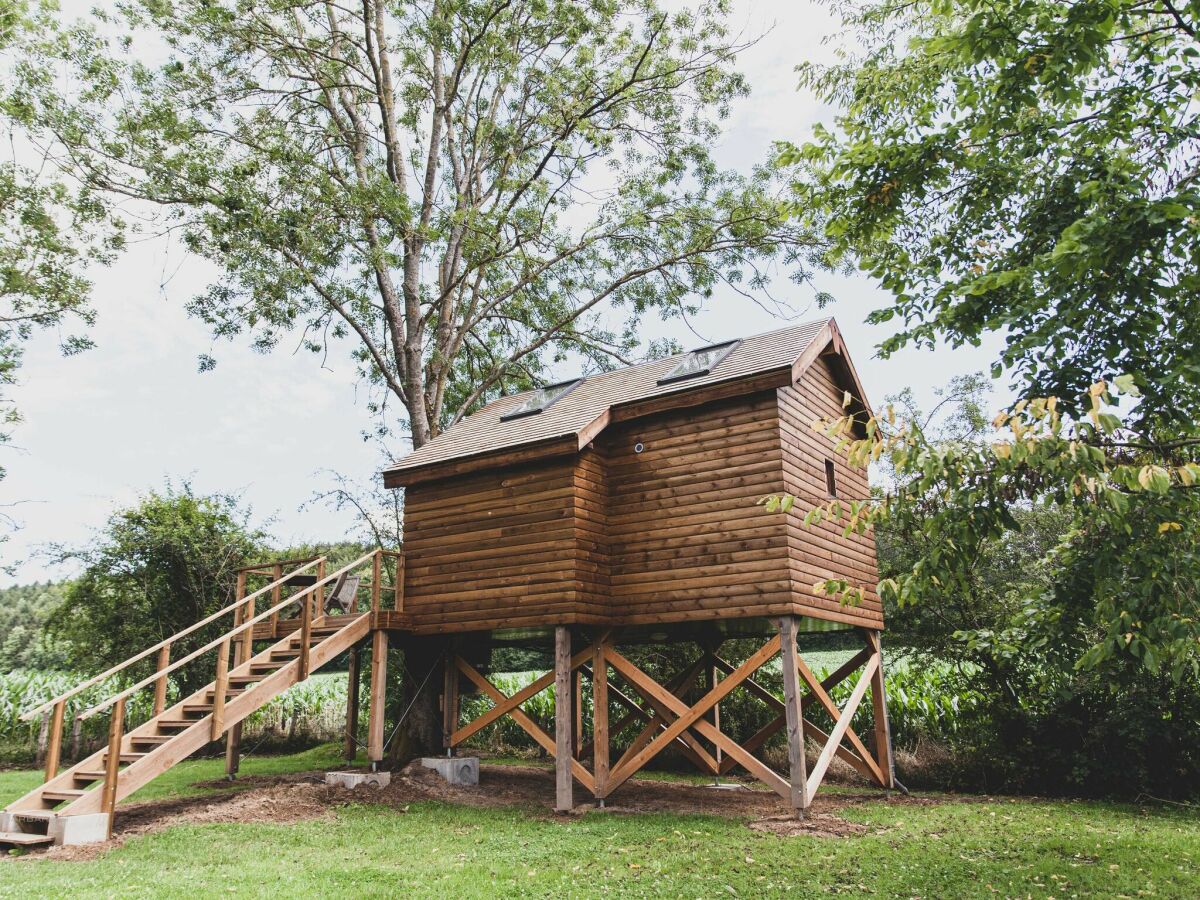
x: 76, y: 805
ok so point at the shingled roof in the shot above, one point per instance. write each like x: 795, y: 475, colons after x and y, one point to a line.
x: 572, y: 422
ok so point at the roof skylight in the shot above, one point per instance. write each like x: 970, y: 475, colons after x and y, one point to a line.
x: 541, y: 399
x: 700, y: 361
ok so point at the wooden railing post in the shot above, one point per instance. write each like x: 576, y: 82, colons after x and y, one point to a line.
x: 318, y: 596
x: 305, y: 636
x: 160, y: 686
x: 276, y: 596
x: 54, y: 749
x: 220, y: 686
x: 112, y: 762
x: 376, y: 575
x: 399, y: 582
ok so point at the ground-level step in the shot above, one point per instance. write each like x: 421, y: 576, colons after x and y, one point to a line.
x: 21, y: 839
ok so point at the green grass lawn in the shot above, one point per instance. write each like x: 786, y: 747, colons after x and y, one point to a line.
x: 956, y: 848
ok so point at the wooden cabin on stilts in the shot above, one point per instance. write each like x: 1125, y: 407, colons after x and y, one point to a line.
x: 578, y: 520
x: 621, y: 509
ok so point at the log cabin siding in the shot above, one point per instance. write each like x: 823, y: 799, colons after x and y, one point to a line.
x: 674, y: 533
x: 822, y: 552
x: 686, y: 538
x: 503, y: 549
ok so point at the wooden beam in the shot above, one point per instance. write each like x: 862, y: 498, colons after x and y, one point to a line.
x: 54, y: 748
x: 547, y: 743
x: 450, y: 708
x: 693, y: 717
x: 220, y: 686
x: 680, y: 684
x: 112, y: 762
x: 577, y: 719
x: 160, y: 686
x: 600, y: 717
x: 866, y: 768
x: 826, y: 701
x: 883, y: 730
x: 564, y: 800
x: 379, y: 650
x: 350, y: 746
x: 797, y: 776
x: 505, y: 705
x: 841, y: 726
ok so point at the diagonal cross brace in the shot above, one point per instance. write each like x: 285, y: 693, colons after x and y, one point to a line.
x: 691, y: 717
x: 582, y: 775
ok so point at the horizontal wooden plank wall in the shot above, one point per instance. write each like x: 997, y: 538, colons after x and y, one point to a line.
x: 686, y: 538
x: 670, y: 534
x: 821, y: 552
x: 504, y: 549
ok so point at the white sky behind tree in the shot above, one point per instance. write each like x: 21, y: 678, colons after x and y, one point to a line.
x: 104, y: 426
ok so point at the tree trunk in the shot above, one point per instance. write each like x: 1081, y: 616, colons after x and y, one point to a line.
x: 420, y: 733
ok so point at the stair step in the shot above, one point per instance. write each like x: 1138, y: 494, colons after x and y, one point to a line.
x: 127, y: 757
x: 232, y: 692
x: 21, y: 839
x: 60, y: 794
x: 202, y: 708
x: 89, y: 775
x: 245, y: 679
x: 151, y: 738
x: 176, y: 723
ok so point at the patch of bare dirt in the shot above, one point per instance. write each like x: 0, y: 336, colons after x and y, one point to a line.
x: 304, y: 797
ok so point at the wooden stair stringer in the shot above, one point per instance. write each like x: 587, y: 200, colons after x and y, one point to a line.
x: 188, y: 741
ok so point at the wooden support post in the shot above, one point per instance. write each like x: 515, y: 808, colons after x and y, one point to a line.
x: 376, y: 575
x: 883, y: 731
x: 220, y: 686
x: 350, y: 749
x: 577, y: 720
x: 276, y: 597
x: 112, y: 762
x: 233, y: 738
x: 564, y: 800
x: 450, y: 707
x: 600, y: 719
x: 399, y: 586
x: 797, y: 765
x: 714, y: 679
x: 379, y: 649
x: 54, y: 748
x: 160, y: 686
x: 305, y: 636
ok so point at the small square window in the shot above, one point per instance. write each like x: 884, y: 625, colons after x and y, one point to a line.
x: 830, y: 478
x: 541, y: 399
x: 700, y: 361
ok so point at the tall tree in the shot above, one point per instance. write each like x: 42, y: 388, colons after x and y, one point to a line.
x: 1029, y: 168
x: 463, y: 188
x: 52, y: 228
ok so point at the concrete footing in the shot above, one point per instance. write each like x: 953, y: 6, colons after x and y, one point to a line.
x: 91, y: 828
x: 354, y: 779
x: 462, y: 770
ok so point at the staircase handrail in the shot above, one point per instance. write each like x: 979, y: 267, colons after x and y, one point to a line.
x: 228, y: 636
x: 96, y: 679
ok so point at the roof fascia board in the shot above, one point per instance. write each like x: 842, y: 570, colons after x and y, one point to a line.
x: 563, y: 445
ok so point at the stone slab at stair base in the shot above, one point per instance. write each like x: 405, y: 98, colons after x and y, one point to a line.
x: 461, y: 770
x: 89, y: 828
x: 354, y: 779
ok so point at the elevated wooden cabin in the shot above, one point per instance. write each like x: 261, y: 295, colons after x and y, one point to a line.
x: 630, y: 498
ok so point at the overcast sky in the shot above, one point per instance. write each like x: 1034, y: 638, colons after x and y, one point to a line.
x: 106, y: 425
